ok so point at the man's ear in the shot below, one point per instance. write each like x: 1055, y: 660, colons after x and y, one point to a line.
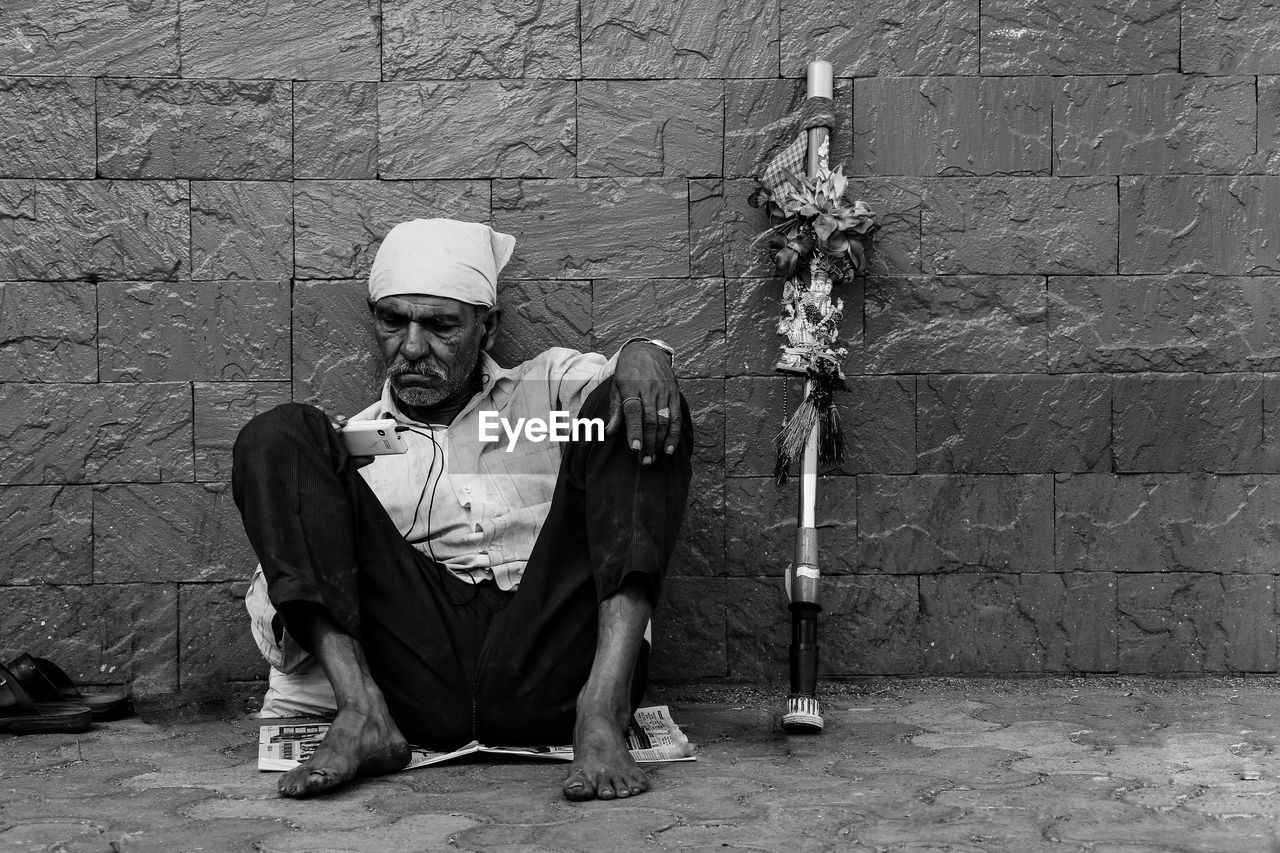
x: 491, y: 323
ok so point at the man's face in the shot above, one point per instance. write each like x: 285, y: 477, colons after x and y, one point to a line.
x: 429, y: 345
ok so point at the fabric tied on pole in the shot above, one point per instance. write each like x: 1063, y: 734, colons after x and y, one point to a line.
x: 816, y: 112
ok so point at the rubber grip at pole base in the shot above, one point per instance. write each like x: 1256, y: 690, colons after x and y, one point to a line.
x: 803, y: 717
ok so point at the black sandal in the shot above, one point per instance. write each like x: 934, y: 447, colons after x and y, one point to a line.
x: 21, y: 715
x: 46, y: 682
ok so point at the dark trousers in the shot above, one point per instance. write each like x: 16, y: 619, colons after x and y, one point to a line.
x: 458, y: 661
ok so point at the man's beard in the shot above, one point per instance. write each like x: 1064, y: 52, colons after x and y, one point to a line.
x: 461, y: 383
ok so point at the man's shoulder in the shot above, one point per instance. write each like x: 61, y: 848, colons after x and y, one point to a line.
x: 556, y: 361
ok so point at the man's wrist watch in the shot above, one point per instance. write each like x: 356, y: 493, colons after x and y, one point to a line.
x: 662, y: 345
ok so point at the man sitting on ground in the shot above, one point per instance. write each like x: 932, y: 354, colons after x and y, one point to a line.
x: 468, y: 589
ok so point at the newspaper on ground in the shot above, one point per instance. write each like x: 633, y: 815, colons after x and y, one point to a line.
x: 652, y: 737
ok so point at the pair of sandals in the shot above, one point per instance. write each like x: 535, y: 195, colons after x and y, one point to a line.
x: 36, y: 696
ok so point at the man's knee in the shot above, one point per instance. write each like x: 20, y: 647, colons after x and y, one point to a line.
x: 267, y: 429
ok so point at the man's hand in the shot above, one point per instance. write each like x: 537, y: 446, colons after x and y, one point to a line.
x: 647, y: 398
x: 339, y: 422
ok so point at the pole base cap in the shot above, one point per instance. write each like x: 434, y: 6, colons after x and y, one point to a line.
x: 803, y: 717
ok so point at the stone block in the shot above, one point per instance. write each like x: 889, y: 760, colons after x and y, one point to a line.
x: 195, y: 129
x: 1167, y: 522
x: 936, y: 524
x: 335, y: 130
x: 974, y: 624
x: 338, y: 225
x: 538, y: 315
x: 221, y: 410
x: 650, y: 128
x: 759, y: 122
x: 1268, y: 156
x: 480, y: 129
x: 94, y: 229
x: 1075, y: 620
x: 897, y: 38
x: 100, y: 633
x: 700, y: 548
x: 760, y: 526
x: 425, y: 39
x: 667, y: 38
x: 215, y: 330
x: 961, y: 324
x: 1014, y: 424
x: 758, y: 628
x: 596, y: 227
x: 114, y: 37
x: 48, y: 332
x: 689, y: 631
x: 1196, y: 623
x: 335, y: 359
x: 1230, y: 37
x: 1153, y: 125
x: 952, y: 126
x: 54, y: 434
x: 877, y: 414
x: 290, y: 40
x: 1190, y: 422
x: 1201, y: 323
x: 1193, y: 223
x: 872, y: 626
x: 706, y: 228
x: 45, y: 535
x: 241, y: 230
x: 705, y: 398
x: 49, y: 125
x: 156, y: 533
x: 1020, y: 225
x: 215, y: 643
x: 1095, y: 37
x: 687, y: 314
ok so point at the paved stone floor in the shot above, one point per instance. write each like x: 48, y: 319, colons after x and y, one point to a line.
x: 1100, y: 765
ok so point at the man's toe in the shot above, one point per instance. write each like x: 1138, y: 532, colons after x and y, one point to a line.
x: 576, y: 788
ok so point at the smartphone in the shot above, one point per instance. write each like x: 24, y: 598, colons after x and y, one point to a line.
x: 373, y: 438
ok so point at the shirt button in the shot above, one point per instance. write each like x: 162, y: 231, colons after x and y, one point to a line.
x: 466, y: 490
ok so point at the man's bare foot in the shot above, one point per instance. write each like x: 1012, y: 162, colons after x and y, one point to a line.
x: 359, y: 743
x: 602, y: 767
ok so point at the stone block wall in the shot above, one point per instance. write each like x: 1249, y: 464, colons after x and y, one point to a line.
x: 1064, y: 369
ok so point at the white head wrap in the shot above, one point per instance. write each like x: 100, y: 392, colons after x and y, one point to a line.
x: 441, y: 257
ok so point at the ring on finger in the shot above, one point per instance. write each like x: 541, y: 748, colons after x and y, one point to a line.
x: 629, y: 399
x: 664, y: 413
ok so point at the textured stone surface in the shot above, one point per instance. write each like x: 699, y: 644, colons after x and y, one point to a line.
x: 49, y: 127
x: 960, y: 324
x: 700, y: 550
x: 760, y: 525
x: 644, y: 128
x: 168, y: 532
x: 1170, y: 322
x: 689, y: 631
x: 52, y: 434
x: 667, y: 38
x: 1230, y: 37
x: 45, y: 535
x: 538, y: 315
x: 1020, y: 225
x: 892, y: 39
x: 686, y: 314
x: 110, y: 229
x: 876, y: 415
x: 594, y: 227
x: 1192, y: 223
x: 100, y: 634
x: 335, y: 130
x: 758, y: 627
x: 705, y: 398
x: 478, y: 129
x: 934, y: 524
x: 291, y: 40
x: 1153, y: 125
x: 952, y: 126
x: 753, y: 345
x: 220, y: 410
x: 1094, y: 37
x: 706, y: 228
x: 338, y: 225
x: 1075, y: 620
x: 227, y: 330
x: 479, y: 38
x: 117, y: 37
x: 872, y: 625
x: 195, y: 129
x: 1268, y: 158
x: 1154, y: 523
x: 1190, y: 422
x: 335, y: 360
x: 759, y: 122
x: 215, y: 643
x: 241, y: 230
x: 1196, y: 623
x: 972, y: 624
x: 1014, y: 424
x: 48, y: 332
